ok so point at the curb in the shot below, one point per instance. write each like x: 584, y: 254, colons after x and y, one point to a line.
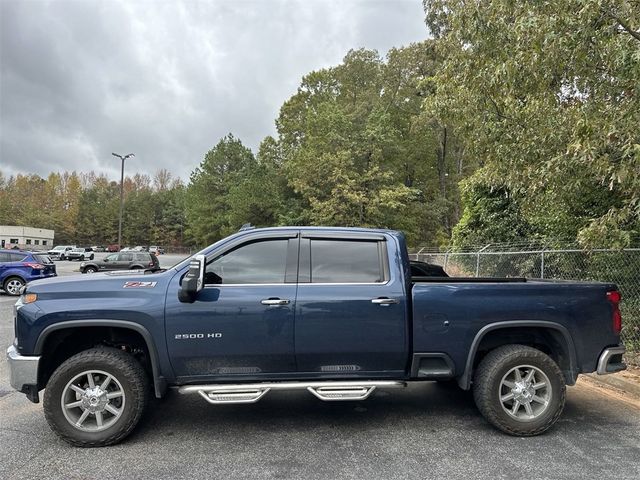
x: 626, y: 381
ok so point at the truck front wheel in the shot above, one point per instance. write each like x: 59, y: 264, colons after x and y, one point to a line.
x: 519, y: 390
x: 96, y: 397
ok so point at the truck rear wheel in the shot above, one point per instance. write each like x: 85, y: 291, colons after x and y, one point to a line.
x: 96, y: 397
x: 519, y: 390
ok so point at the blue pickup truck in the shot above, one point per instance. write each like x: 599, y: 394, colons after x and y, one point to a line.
x: 334, y: 311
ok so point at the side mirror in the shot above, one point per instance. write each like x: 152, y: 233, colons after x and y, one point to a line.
x: 193, y: 281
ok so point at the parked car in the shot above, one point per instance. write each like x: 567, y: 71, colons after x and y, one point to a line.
x: 156, y: 250
x: 424, y: 269
x: 327, y: 310
x: 80, y: 253
x: 17, y: 267
x: 60, y: 252
x: 113, y: 248
x: 140, y: 248
x: 98, y: 248
x: 122, y: 261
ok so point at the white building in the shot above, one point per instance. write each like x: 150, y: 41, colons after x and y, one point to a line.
x: 26, y: 237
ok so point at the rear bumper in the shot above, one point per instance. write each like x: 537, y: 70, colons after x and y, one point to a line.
x: 611, y: 361
x: 23, y: 371
x: 40, y: 276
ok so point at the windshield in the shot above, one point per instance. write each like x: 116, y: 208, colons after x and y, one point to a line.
x: 59, y: 248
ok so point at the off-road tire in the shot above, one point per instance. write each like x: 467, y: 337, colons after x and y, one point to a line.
x: 486, y: 389
x: 121, y: 365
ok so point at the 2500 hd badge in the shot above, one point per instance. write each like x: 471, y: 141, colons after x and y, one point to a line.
x: 195, y: 336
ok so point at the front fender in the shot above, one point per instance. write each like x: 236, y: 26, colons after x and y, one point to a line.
x: 159, y: 380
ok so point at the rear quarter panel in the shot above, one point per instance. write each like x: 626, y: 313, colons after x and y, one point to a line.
x: 447, y: 317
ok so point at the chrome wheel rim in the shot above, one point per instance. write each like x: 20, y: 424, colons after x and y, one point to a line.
x: 13, y: 286
x: 93, y: 401
x: 525, y: 393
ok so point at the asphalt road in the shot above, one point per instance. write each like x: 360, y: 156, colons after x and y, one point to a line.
x: 424, y: 431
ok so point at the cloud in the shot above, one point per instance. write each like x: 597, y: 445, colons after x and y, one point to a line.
x: 166, y: 80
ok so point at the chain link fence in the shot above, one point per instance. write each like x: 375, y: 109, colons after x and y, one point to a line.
x: 621, y: 267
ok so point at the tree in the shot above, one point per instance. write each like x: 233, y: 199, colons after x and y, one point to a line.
x: 491, y: 215
x: 358, y: 150
x: 162, y: 180
x: 207, y: 197
x: 545, y: 95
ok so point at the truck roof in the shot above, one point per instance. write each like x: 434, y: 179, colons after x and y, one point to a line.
x: 324, y: 228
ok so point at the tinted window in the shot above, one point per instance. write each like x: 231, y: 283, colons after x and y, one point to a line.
x: 112, y: 258
x: 141, y: 257
x: 259, y: 262
x: 125, y: 257
x: 42, y: 259
x: 4, y: 257
x: 344, y: 261
x: 17, y: 257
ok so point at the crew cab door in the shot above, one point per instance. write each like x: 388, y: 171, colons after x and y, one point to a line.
x: 350, y: 310
x: 241, y: 323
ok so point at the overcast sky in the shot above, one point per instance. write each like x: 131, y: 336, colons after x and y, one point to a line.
x: 167, y: 79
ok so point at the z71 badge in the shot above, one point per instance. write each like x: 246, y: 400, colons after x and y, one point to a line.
x: 139, y: 284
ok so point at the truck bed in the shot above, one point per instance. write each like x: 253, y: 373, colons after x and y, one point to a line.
x: 448, y: 313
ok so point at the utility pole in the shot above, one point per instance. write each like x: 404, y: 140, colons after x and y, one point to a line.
x: 123, y: 158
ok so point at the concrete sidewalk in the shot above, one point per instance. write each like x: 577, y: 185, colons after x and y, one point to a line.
x: 627, y: 382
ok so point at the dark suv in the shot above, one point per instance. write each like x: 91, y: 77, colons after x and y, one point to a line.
x: 18, y: 267
x: 122, y: 261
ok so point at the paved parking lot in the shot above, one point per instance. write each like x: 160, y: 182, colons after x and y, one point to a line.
x: 71, y: 267
x: 424, y: 431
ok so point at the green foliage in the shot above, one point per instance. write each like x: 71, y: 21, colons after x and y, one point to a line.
x: 491, y: 215
x: 358, y: 150
x: 354, y: 147
x: 228, y: 189
x: 545, y: 94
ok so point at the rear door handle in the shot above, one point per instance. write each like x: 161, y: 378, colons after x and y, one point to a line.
x: 275, y: 301
x: 384, y: 301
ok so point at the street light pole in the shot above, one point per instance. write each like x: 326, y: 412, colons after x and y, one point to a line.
x: 123, y: 158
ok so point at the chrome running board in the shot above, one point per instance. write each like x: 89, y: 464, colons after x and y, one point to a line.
x: 251, y: 393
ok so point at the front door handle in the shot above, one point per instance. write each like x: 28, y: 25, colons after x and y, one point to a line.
x: 384, y: 301
x: 274, y: 301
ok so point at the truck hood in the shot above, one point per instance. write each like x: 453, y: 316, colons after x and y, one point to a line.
x: 99, y: 282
